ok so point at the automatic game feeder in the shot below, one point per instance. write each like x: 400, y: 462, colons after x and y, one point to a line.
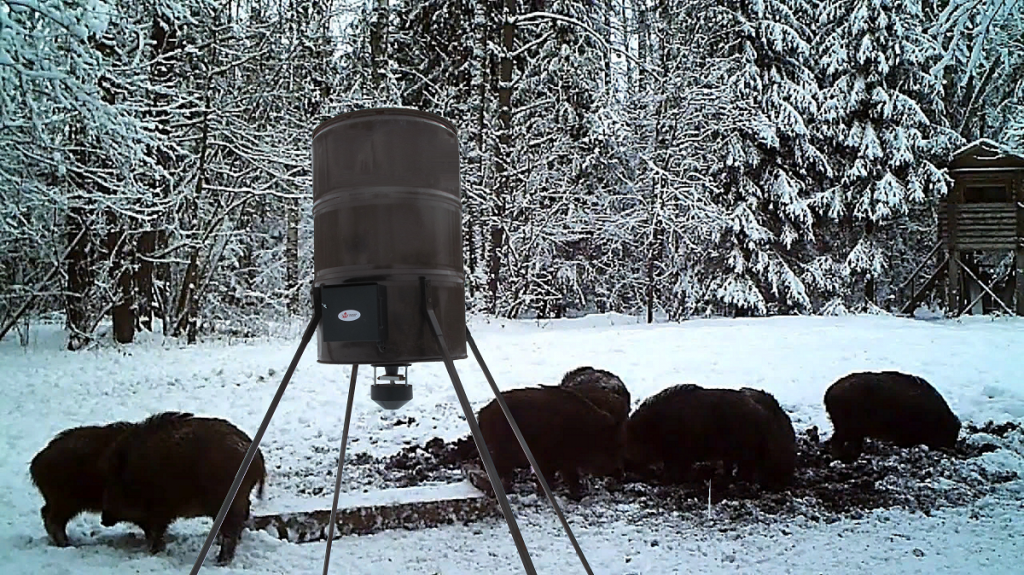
x: 388, y: 285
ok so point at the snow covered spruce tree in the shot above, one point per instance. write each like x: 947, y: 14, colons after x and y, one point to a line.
x: 763, y: 260
x: 883, y: 125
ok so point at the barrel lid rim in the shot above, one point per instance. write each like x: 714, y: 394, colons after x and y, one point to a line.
x: 414, y: 112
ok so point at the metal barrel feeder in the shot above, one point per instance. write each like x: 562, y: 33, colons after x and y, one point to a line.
x: 389, y: 284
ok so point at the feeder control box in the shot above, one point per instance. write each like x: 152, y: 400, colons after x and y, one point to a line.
x: 356, y: 312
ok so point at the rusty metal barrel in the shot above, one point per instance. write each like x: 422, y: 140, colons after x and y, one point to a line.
x: 387, y: 211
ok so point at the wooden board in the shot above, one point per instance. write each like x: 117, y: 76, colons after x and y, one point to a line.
x: 303, y: 519
x: 981, y: 226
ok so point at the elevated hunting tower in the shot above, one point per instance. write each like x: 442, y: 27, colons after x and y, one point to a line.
x: 983, y: 215
x: 984, y: 212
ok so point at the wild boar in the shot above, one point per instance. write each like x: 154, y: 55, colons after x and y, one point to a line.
x: 172, y: 467
x: 776, y: 461
x: 686, y: 424
x: 565, y: 432
x: 70, y: 474
x: 602, y: 388
x: 890, y: 406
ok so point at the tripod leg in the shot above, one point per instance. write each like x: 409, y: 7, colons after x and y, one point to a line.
x: 481, y: 447
x: 526, y: 450
x: 308, y: 335
x: 341, y: 463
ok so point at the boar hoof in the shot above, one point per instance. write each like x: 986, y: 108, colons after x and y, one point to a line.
x: 55, y: 531
x: 576, y: 494
x: 57, y: 536
x: 844, y: 454
x: 226, y: 555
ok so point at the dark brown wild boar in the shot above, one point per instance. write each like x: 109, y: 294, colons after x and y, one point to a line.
x: 565, y: 432
x: 686, y: 424
x: 69, y: 473
x: 171, y: 467
x: 602, y: 388
x: 890, y: 406
x: 776, y: 462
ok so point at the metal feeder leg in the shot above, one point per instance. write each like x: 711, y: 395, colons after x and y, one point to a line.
x: 341, y: 463
x: 526, y: 449
x: 478, y: 438
x: 306, y: 337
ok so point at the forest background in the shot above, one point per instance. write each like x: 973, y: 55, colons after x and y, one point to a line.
x: 667, y: 158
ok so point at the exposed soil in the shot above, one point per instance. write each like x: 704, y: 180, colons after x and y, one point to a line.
x: 884, y: 476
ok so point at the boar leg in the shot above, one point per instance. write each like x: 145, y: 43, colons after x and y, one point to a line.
x: 571, y: 477
x: 505, y: 467
x: 856, y: 448
x: 55, y: 520
x: 746, y: 467
x: 155, y: 531
x: 845, y: 448
x: 675, y: 470
x: 231, y: 532
x: 547, y: 471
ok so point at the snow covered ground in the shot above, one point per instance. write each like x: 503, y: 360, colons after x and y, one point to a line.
x: 976, y: 363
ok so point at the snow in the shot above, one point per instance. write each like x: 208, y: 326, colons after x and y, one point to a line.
x: 987, y: 144
x: 974, y: 362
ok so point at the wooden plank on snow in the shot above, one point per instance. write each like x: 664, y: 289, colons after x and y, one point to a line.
x: 303, y: 519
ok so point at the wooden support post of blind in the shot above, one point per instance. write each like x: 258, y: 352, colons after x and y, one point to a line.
x: 1019, y: 270
x: 953, y: 277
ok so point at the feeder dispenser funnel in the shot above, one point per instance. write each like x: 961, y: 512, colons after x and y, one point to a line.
x: 387, y: 236
x: 391, y: 395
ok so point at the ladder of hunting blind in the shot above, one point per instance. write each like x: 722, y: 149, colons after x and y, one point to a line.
x: 918, y: 294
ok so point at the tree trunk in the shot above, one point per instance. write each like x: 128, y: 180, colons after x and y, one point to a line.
x: 187, y: 300
x: 153, y: 280
x: 609, y: 40
x: 655, y: 253
x: 122, y: 313
x: 501, y: 158
x: 378, y: 41
x: 162, y: 282
x: 869, y: 279
x: 650, y: 290
x: 80, y: 279
x: 145, y: 248
x: 291, y: 254
x: 472, y: 227
x: 643, y: 43
x: 187, y: 295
